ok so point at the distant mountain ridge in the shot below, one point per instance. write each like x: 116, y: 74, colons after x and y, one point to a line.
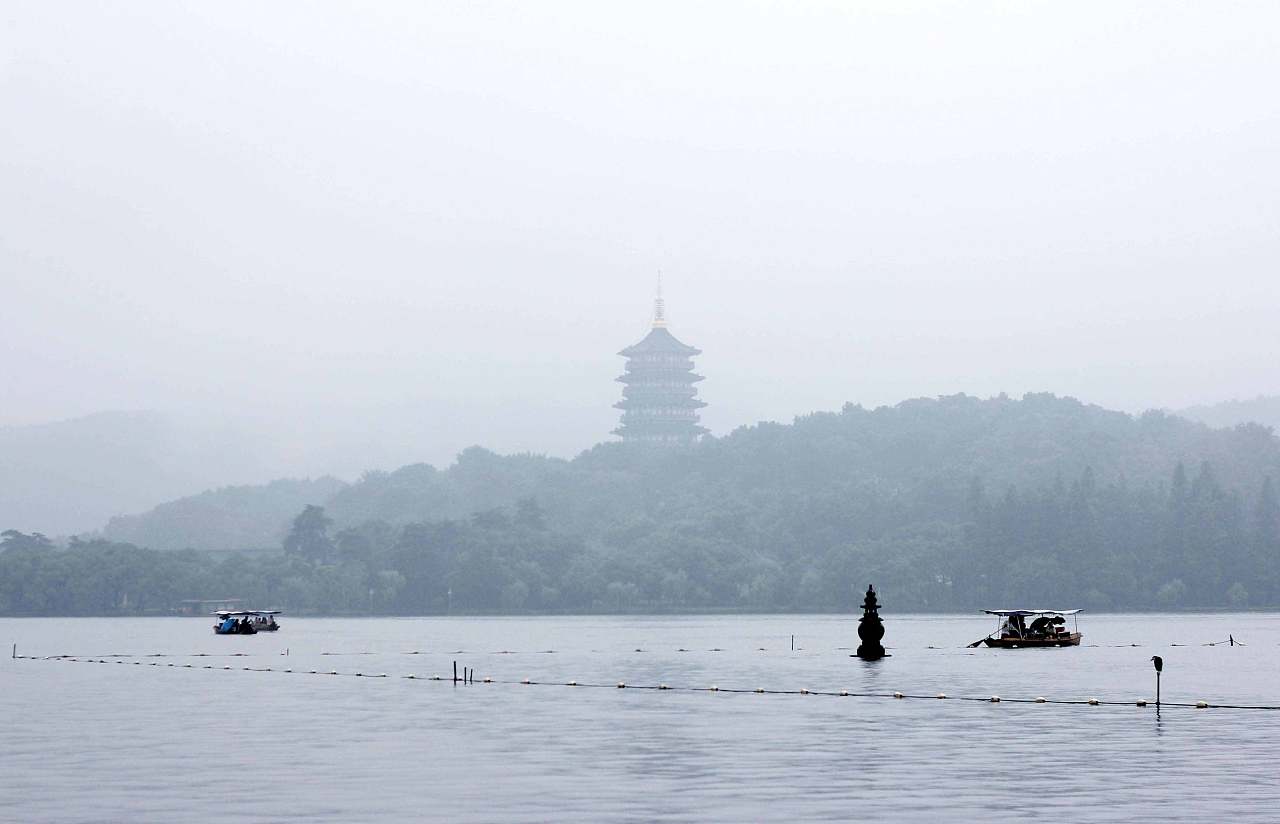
x: 1264, y: 409
x: 920, y: 458
x: 71, y: 476
x: 230, y: 518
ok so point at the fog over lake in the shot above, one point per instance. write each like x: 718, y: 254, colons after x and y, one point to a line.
x: 385, y: 235
x: 607, y: 355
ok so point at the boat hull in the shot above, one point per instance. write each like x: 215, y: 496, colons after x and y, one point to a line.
x: 221, y: 631
x: 1070, y: 639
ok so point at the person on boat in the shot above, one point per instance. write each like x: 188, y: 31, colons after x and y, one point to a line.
x: 228, y: 625
x: 1013, y: 627
x: 1040, y: 626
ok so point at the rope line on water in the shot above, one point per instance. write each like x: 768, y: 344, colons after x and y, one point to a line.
x: 1227, y: 642
x: 993, y: 699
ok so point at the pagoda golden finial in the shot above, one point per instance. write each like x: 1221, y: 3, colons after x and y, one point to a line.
x: 659, y: 307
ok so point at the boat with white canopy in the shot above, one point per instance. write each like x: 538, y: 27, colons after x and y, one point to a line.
x: 1019, y: 628
x: 245, y: 621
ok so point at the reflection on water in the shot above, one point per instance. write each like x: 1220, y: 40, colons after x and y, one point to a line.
x: 99, y: 742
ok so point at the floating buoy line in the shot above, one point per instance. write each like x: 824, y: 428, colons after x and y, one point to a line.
x: 661, y: 687
x: 1229, y: 642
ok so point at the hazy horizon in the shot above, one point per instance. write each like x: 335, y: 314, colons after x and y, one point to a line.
x: 418, y: 228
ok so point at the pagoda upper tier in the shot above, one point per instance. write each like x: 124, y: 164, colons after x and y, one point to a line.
x: 659, y: 401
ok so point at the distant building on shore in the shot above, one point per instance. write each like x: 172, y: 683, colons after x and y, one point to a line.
x: 659, y: 400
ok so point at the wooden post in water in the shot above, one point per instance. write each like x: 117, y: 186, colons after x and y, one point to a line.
x: 455, y: 672
x: 793, y: 643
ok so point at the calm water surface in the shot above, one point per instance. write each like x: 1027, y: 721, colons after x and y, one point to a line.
x: 119, y: 742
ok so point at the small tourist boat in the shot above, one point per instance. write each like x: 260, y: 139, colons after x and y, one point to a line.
x: 245, y: 622
x: 1021, y: 628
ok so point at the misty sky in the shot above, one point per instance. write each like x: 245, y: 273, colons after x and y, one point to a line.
x: 402, y: 228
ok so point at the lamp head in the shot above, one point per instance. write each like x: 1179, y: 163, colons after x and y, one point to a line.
x: 1158, y: 662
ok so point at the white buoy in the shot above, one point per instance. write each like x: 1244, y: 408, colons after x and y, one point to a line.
x: 759, y: 689
x: 995, y: 699
x: 804, y: 691
x: 1040, y: 700
x: 663, y: 687
x: 844, y: 692
x: 1093, y: 702
x: 1141, y: 703
x: 714, y: 688
x: 898, y: 695
x: 573, y: 683
x: 525, y: 681
x: 621, y: 685
x: 1202, y: 705
x: 942, y: 695
x: 411, y: 676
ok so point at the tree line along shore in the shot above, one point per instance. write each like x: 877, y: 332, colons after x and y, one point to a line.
x: 945, y: 504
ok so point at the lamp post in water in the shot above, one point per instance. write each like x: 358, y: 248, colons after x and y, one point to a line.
x: 1158, y: 662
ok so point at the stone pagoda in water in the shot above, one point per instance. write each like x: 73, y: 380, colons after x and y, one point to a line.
x: 871, y: 629
x: 659, y: 402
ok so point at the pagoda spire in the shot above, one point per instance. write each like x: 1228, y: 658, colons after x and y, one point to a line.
x: 659, y: 306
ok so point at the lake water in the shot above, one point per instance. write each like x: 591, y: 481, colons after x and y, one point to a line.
x: 123, y: 742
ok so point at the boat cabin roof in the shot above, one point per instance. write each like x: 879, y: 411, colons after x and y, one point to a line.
x: 228, y: 613
x: 1031, y: 611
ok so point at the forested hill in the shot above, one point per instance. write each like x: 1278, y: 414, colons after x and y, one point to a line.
x: 946, y: 503
x: 912, y: 463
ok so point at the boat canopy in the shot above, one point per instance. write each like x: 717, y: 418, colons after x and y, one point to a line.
x: 1031, y: 611
x: 227, y: 613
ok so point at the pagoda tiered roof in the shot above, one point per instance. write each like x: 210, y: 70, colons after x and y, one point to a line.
x: 659, y: 341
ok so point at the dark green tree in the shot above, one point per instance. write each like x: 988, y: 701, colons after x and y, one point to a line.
x: 309, y: 536
x: 13, y: 539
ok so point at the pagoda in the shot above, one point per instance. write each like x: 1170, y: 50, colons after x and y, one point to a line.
x: 659, y: 402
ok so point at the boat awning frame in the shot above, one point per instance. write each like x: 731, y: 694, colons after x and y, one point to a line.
x: 229, y: 612
x: 1025, y: 612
